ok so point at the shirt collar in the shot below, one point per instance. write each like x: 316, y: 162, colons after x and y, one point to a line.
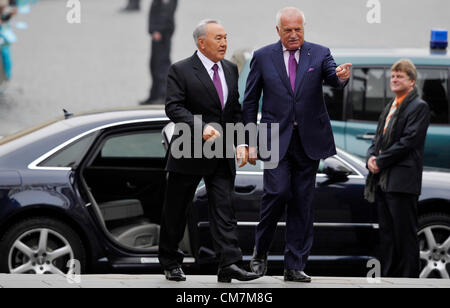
x: 400, y: 99
x: 207, y: 63
x: 285, y: 49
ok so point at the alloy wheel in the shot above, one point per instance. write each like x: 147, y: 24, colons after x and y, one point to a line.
x: 434, y: 243
x: 41, y: 251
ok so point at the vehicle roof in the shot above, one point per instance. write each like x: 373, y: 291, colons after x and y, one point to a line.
x: 359, y: 56
x: 32, y: 143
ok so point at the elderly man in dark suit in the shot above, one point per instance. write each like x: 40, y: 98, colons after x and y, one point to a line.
x: 395, y: 161
x: 161, y: 26
x: 290, y: 74
x: 203, y: 89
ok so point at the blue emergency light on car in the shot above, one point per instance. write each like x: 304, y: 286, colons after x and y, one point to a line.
x: 439, y: 39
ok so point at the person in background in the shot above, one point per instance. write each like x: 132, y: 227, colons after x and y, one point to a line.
x: 8, y: 8
x: 161, y: 28
x: 395, y: 162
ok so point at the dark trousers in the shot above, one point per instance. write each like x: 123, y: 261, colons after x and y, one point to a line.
x: 289, y: 188
x: 160, y: 64
x: 223, y: 224
x: 399, y: 246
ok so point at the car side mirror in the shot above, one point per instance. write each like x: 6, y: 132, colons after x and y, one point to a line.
x: 335, y: 171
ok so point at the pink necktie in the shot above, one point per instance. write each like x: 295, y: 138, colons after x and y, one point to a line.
x: 218, y: 83
x: 292, y: 68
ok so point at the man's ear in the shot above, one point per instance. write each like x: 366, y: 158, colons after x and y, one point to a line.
x: 200, y: 43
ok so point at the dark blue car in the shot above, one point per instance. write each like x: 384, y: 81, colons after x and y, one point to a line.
x: 86, y: 192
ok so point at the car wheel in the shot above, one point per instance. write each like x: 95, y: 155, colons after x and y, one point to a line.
x: 434, y: 243
x: 41, y: 245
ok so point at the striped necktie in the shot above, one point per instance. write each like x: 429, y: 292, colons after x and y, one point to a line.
x: 394, y: 107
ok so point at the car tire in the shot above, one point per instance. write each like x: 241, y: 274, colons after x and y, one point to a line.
x: 42, y: 245
x: 433, y: 232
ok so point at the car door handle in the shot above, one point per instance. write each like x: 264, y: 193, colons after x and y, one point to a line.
x: 366, y: 136
x: 244, y: 190
x: 131, y: 186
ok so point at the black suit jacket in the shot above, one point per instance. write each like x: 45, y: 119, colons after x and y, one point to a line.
x: 162, y: 16
x: 403, y: 160
x: 191, y: 92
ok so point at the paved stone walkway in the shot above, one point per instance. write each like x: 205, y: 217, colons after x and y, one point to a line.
x: 203, y: 281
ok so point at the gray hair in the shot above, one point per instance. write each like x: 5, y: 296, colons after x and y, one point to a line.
x: 200, y: 30
x: 289, y: 10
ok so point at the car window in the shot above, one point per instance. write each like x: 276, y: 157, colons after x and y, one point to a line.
x: 432, y: 85
x: 367, y: 94
x: 334, y: 99
x: 134, y: 145
x: 70, y: 155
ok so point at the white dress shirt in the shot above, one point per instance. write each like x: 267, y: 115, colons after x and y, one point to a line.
x: 208, y: 64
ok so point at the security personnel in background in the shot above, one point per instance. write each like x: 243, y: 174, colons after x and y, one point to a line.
x: 161, y: 29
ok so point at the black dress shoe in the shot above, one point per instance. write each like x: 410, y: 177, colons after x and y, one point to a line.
x: 258, y: 264
x: 225, y: 274
x: 296, y: 275
x: 175, y: 274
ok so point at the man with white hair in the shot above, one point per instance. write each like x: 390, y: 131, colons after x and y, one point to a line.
x: 290, y: 74
x: 203, y: 89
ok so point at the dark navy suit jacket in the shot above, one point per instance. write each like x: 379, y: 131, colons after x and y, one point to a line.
x: 306, y: 106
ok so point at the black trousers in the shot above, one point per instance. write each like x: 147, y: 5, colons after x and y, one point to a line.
x: 223, y: 224
x: 399, y: 246
x: 160, y: 64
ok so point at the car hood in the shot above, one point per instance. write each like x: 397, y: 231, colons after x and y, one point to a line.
x: 438, y: 179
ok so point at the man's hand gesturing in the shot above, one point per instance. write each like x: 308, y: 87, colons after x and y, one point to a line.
x: 343, y: 71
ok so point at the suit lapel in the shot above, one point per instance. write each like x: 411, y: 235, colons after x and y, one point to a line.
x: 204, y: 77
x: 278, y: 61
x: 305, y: 59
